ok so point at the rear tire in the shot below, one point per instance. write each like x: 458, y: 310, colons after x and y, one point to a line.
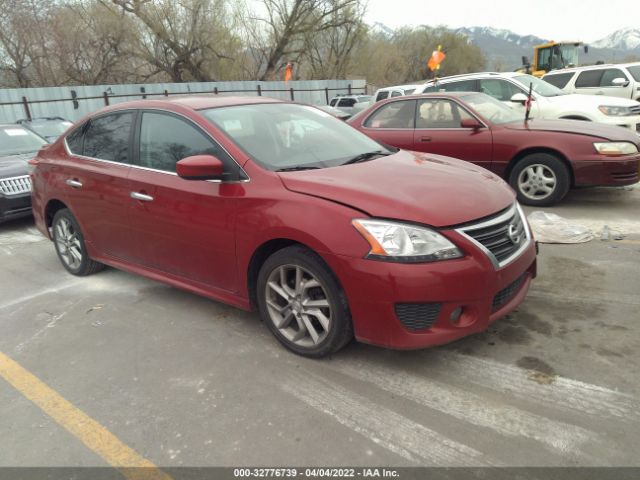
x: 70, y: 246
x: 540, y: 179
x: 302, y: 303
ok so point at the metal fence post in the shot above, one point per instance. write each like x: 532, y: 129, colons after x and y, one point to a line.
x: 215, y: 90
x: 25, y: 104
x: 166, y: 93
x: 74, y: 99
x: 105, y: 95
x: 143, y: 91
x: 349, y: 89
x: 259, y: 90
x: 291, y: 91
x: 326, y: 94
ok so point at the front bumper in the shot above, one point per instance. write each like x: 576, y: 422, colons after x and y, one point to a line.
x: 15, y: 206
x: 607, y: 171
x: 375, y: 289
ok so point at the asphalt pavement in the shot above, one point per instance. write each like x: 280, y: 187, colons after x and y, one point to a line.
x: 113, y: 366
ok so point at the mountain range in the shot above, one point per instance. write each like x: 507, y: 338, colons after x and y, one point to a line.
x: 504, y: 49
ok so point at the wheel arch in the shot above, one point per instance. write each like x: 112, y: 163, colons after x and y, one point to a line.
x: 259, y: 256
x: 548, y: 150
x: 53, y: 206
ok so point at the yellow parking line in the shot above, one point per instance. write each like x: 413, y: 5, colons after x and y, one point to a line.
x: 131, y: 464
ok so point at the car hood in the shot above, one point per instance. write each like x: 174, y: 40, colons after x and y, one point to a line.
x: 578, y: 127
x: 428, y: 189
x: 15, y: 165
x: 579, y: 101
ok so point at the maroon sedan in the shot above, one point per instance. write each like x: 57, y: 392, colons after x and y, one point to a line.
x: 541, y: 159
x: 281, y: 207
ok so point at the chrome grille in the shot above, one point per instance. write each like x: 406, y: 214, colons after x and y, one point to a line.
x: 503, y: 237
x: 15, y: 185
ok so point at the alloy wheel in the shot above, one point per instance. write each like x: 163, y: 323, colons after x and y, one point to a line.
x: 537, y: 181
x: 68, y: 243
x: 298, y: 305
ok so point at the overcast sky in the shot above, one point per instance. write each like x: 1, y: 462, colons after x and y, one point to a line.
x: 585, y: 20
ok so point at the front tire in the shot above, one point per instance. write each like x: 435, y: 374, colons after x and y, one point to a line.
x: 302, y: 303
x: 70, y: 246
x: 540, y: 180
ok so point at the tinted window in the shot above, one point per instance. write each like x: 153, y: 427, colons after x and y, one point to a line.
x: 461, y: 86
x: 347, y: 102
x: 635, y: 72
x: 74, y: 141
x: 396, y: 94
x: 394, y: 115
x: 431, y: 89
x: 499, y: 89
x: 436, y: 113
x: 609, y: 75
x: 589, y: 78
x: 409, y: 91
x: 333, y: 102
x: 560, y: 80
x: 165, y: 139
x: 107, y: 137
x: 382, y: 95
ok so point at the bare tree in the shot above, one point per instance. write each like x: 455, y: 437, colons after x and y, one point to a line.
x: 279, y: 35
x: 186, y: 39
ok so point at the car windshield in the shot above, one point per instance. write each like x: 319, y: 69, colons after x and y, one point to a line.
x: 288, y: 136
x: 15, y: 140
x: 635, y: 72
x: 53, y: 128
x: 491, y: 109
x: 539, y: 86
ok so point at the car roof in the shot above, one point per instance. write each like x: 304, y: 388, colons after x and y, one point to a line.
x: 402, y: 87
x: 593, y: 67
x: 472, y: 76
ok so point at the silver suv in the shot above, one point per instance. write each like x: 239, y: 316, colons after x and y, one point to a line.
x: 621, y: 80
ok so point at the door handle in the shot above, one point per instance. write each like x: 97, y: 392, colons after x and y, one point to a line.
x: 73, y: 183
x: 141, y: 196
x: 425, y: 139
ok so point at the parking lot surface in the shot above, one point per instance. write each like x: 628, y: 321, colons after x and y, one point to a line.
x: 182, y: 380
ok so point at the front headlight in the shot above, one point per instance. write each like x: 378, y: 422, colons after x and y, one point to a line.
x: 402, y: 242
x: 615, y: 149
x: 615, y: 111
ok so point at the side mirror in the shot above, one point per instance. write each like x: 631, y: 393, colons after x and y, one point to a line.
x: 200, y: 167
x: 525, y: 61
x: 619, y: 82
x: 519, y: 98
x: 470, y: 123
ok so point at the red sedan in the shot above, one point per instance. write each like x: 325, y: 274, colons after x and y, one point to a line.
x: 541, y: 159
x: 281, y: 207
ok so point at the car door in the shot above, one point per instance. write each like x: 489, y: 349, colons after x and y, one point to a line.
x: 438, y: 130
x: 392, y: 124
x: 95, y: 181
x: 185, y: 228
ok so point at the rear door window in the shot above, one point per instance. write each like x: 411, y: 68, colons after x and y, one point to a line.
x: 559, y: 80
x: 394, y: 115
x: 461, y: 86
x: 589, y: 78
x: 108, y: 137
x: 396, y: 93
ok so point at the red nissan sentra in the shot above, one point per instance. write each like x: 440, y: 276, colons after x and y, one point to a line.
x: 281, y: 207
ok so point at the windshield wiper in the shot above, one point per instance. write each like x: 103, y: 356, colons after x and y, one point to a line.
x: 363, y: 157
x: 297, y: 168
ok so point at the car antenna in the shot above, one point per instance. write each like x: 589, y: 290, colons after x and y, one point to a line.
x: 527, y: 104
